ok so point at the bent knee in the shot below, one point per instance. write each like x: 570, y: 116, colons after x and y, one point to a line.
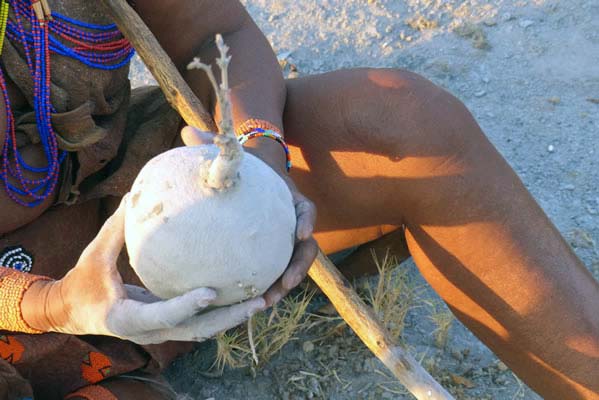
x: 408, y: 115
x: 391, y: 113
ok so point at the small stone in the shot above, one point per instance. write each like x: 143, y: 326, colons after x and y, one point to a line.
x: 551, y: 148
x: 554, y: 100
x: 502, y: 367
x: 525, y: 23
x: 569, y: 186
x: 500, y: 380
x: 308, y: 346
x: 507, y: 17
x: 372, y: 32
x: 480, y: 93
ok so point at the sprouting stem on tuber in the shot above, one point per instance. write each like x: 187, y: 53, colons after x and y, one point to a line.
x: 223, y: 171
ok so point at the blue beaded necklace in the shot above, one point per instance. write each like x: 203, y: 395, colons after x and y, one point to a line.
x: 97, y: 46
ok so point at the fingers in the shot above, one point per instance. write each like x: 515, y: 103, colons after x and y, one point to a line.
x: 209, y: 324
x: 109, y: 241
x: 130, y: 317
x: 303, y: 256
x: 304, y: 252
x: 305, y: 212
x: 194, y: 137
x: 204, y: 326
x: 275, y: 293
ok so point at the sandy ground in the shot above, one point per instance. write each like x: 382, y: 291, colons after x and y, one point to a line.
x: 529, y: 72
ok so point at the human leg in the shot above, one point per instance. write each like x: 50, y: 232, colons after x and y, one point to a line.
x: 377, y: 149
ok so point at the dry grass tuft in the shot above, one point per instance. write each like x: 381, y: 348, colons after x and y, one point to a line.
x: 270, y: 332
x: 442, y: 318
x: 475, y: 33
x: 231, y: 350
x: 393, y: 294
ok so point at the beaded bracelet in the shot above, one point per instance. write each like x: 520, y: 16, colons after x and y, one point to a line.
x: 267, y: 133
x: 13, y: 285
x: 253, y: 128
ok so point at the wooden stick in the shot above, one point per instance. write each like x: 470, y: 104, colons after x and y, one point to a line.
x: 363, y: 321
x: 176, y: 90
x: 352, y: 309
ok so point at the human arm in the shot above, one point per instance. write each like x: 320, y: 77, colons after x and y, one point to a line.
x: 92, y: 299
x: 185, y: 29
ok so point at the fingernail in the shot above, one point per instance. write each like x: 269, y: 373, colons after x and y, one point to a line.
x: 292, y: 282
x: 205, y: 302
x: 207, y: 296
x: 305, y: 232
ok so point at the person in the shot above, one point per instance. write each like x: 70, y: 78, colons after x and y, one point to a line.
x: 387, y: 158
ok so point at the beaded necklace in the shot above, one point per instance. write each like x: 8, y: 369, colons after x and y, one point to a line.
x: 97, y: 46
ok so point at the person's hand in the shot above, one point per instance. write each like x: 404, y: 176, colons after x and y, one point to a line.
x: 305, y: 249
x: 92, y: 299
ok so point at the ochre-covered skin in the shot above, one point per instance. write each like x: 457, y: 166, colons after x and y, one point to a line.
x: 182, y: 234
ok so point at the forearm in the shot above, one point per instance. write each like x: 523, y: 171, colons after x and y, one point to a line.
x: 186, y: 29
x: 255, y: 78
x: 257, y: 86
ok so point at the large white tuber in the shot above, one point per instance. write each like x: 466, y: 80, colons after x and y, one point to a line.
x: 210, y: 216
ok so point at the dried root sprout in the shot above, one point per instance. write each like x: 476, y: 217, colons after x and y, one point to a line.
x: 224, y: 169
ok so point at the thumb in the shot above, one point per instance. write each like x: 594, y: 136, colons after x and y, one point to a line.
x: 109, y: 241
x: 194, y: 137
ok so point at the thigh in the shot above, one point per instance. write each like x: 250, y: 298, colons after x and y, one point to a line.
x: 346, y: 131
